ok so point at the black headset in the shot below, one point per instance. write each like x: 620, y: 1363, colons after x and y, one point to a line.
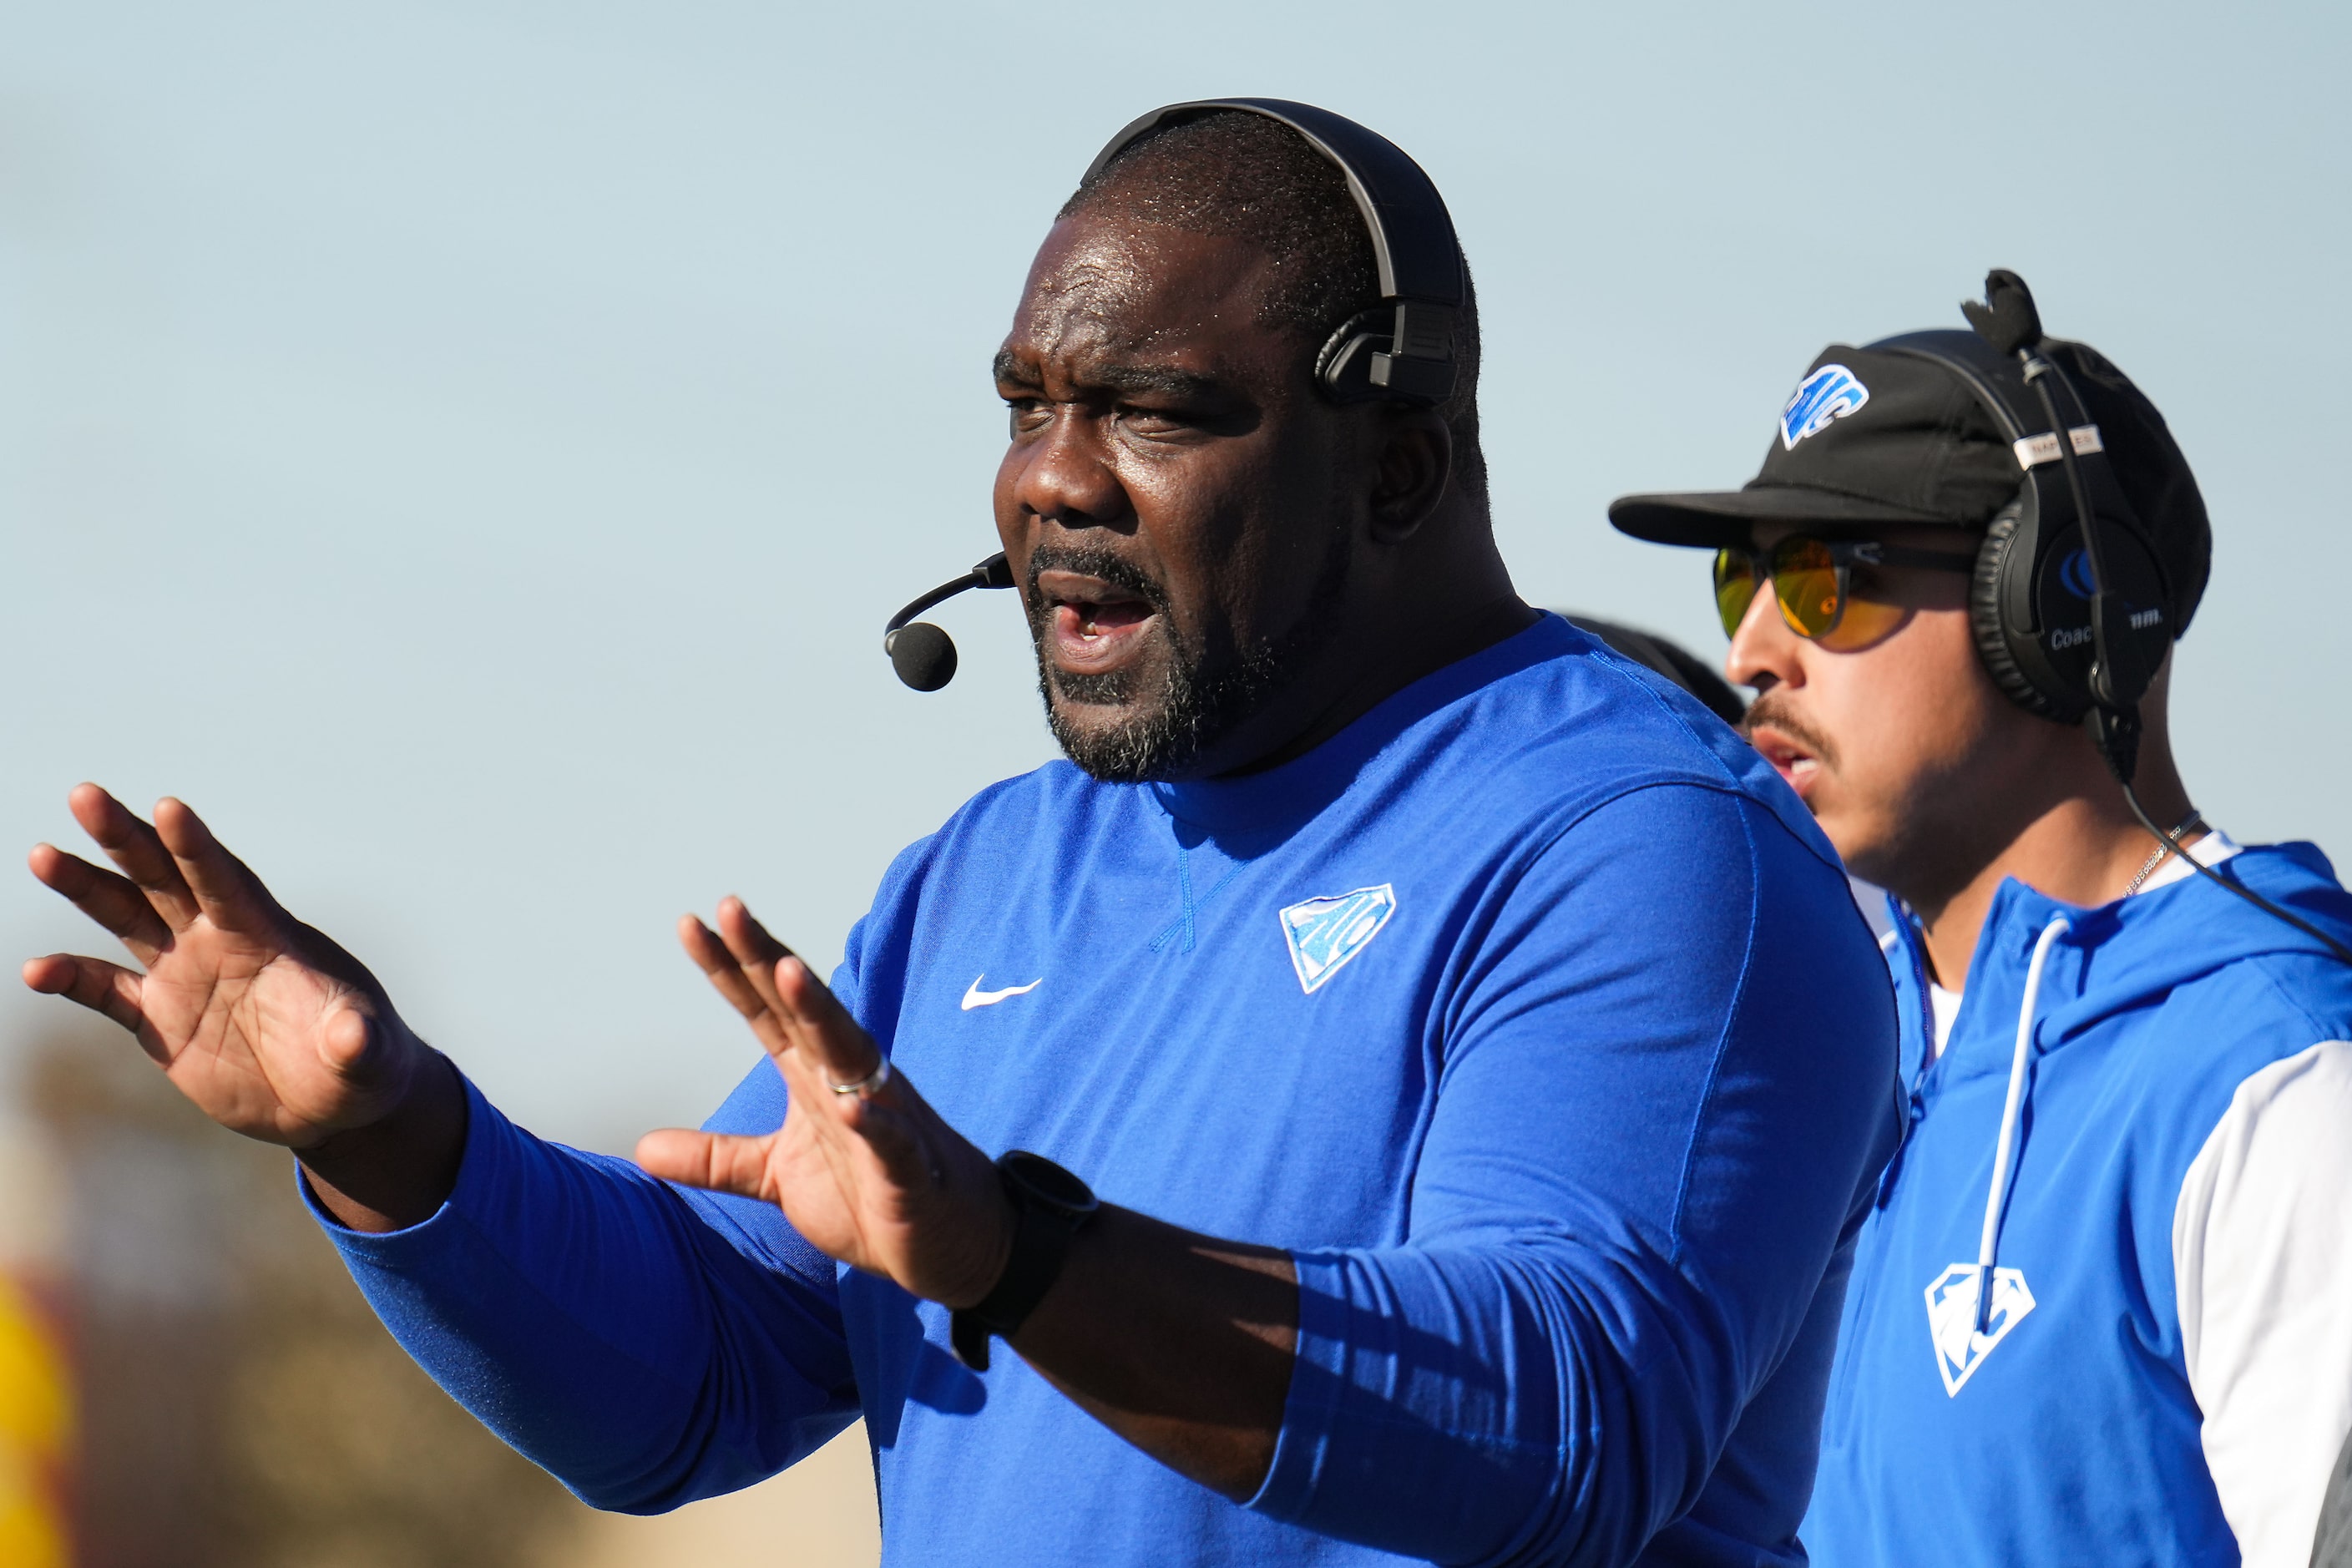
x: 1400, y: 350
x: 2070, y: 606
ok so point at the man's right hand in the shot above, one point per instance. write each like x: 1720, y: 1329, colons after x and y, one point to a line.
x: 270, y: 1027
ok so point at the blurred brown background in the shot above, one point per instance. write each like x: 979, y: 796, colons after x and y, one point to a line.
x: 189, y: 1378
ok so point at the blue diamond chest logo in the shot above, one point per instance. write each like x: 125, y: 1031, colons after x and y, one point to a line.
x: 1325, y: 933
x: 1829, y: 394
x: 1960, y: 1346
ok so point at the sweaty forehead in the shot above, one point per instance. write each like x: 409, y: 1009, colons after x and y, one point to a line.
x: 1106, y: 288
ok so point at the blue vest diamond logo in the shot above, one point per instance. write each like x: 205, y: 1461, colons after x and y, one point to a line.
x: 1325, y: 933
x: 1961, y: 1349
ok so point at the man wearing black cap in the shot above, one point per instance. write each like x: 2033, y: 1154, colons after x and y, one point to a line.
x: 2103, y: 1309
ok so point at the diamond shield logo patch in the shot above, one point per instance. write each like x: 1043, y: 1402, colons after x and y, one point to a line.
x: 1325, y: 933
x: 1952, y: 1319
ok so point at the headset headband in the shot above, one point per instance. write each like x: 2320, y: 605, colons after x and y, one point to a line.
x: 1413, y: 234
x: 2001, y: 386
x: 1992, y: 375
x: 1998, y: 382
x: 1405, y: 348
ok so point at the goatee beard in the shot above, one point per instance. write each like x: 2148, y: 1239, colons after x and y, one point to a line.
x: 1201, y: 693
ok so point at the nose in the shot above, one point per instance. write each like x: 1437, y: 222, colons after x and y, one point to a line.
x: 1764, y: 652
x: 1063, y: 475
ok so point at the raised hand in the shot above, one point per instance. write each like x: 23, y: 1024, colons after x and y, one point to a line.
x: 877, y: 1179
x: 1181, y: 1343
x: 270, y: 1027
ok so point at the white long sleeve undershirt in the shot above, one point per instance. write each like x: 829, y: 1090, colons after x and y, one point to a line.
x: 2262, y: 1262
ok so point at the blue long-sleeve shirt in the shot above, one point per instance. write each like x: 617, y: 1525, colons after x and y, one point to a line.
x: 1531, y: 1014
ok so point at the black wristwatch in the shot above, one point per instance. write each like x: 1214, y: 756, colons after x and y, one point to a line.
x: 1049, y: 1206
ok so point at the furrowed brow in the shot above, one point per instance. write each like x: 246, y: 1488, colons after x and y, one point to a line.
x: 1165, y: 380
x: 1120, y: 380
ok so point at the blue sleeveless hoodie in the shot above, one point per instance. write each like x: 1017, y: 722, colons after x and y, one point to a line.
x: 2057, y: 1426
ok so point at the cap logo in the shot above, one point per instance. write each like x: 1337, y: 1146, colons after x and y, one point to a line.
x: 1829, y: 394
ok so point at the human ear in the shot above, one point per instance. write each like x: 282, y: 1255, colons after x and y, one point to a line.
x: 1416, y: 460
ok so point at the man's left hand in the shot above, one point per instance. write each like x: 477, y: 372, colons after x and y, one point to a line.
x: 879, y: 1180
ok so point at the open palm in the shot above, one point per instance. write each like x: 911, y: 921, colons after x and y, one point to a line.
x: 270, y: 1027
x: 880, y: 1180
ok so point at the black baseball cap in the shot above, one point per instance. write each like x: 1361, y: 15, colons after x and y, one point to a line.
x: 1872, y: 438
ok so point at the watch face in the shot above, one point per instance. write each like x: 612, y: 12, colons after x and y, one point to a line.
x: 1047, y: 1182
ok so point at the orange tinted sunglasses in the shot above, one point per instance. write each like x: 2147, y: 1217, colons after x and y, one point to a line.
x: 1812, y: 580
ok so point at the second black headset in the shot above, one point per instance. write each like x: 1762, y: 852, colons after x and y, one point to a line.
x: 1400, y: 350
x: 2070, y: 606
x: 2071, y: 609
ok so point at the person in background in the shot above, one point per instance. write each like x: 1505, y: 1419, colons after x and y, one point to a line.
x: 2127, y: 1088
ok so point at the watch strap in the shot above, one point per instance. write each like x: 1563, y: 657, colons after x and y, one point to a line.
x: 1041, y: 1241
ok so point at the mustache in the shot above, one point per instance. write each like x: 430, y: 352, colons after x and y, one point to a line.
x: 1092, y: 561
x: 1774, y: 708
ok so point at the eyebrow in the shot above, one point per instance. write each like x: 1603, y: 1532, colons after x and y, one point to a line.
x: 1010, y: 371
x: 1123, y: 379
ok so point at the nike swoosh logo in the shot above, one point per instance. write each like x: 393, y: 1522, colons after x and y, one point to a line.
x: 974, y: 996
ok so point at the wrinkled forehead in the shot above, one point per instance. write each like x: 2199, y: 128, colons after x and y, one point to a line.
x: 1104, y: 285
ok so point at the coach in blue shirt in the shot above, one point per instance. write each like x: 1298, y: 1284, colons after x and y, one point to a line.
x: 1477, y: 1059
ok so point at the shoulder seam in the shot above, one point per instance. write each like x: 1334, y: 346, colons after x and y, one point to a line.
x: 2326, y: 1031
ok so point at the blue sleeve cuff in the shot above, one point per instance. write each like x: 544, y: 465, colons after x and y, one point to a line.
x: 476, y: 1172
x: 1302, y: 1448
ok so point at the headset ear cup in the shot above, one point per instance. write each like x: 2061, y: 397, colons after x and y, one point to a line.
x: 1993, y: 565
x: 1344, y: 367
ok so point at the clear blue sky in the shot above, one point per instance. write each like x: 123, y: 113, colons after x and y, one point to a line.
x: 469, y: 449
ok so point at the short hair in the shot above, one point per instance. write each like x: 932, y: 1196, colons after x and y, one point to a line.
x: 1229, y: 172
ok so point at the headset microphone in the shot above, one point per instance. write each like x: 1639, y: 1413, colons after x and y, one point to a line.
x: 923, y: 655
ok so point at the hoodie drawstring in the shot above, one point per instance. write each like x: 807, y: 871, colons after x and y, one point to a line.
x: 1989, y: 1244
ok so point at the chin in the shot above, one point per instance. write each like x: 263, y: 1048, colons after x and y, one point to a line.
x: 1870, y: 852
x: 1112, y: 731
x: 1156, y: 716
x: 1137, y: 750
x: 1855, y: 843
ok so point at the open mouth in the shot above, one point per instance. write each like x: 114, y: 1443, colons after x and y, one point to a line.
x: 1092, y: 626
x: 1791, y: 761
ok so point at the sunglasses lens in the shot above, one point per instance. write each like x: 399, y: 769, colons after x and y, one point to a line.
x: 1735, y: 587
x: 1805, y: 581
x: 1865, y: 621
